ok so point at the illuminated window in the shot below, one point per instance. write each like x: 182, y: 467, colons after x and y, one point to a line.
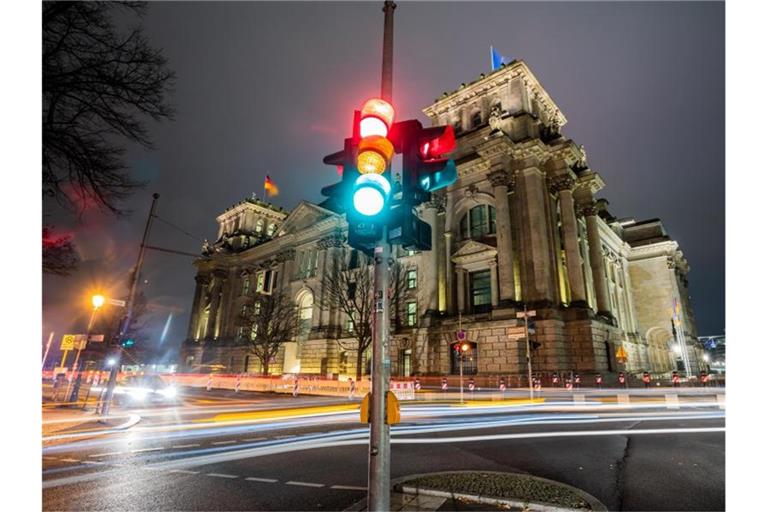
x: 410, y: 314
x: 271, y: 229
x: 350, y: 326
x: 305, y: 303
x: 480, y: 221
x: 480, y: 290
x: 259, y: 225
x: 246, y: 285
x: 410, y: 279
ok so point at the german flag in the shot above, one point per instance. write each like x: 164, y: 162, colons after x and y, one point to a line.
x: 269, y: 187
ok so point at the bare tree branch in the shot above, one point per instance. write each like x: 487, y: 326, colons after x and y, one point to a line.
x: 59, y: 256
x: 270, y: 320
x: 97, y: 84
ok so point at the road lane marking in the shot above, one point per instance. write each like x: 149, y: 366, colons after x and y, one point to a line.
x: 349, y: 487
x: 221, y: 475
x: 225, y: 442
x: 106, y: 454
x: 193, y: 445
x: 185, y: 471
x: 70, y: 460
x: 304, y: 484
x: 265, y: 480
x: 92, y: 462
x: 282, y: 437
x: 147, y: 450
x: 254, y: 439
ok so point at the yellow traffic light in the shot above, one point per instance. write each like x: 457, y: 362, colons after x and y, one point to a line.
x: 374, y: 154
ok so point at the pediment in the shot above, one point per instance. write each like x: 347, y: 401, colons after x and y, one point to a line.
x: 302, y: 217
x: 473, y: 251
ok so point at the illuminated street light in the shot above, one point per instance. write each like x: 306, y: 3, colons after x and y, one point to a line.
x: 97, y: 301
x: 111, y: 362
x: 706, y: 358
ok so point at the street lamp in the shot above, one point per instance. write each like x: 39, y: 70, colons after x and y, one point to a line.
x: 97, y: 301
x: 463, y: 350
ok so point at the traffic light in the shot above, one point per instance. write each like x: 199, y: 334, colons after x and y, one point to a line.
x: 425, y: 170
x: 365, y: 189
x: 128, y: 343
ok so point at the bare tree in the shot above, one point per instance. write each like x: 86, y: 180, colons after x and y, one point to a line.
x: 97, y: 83
x: 349, y: 286
x: 270, y: 322
x: 59, y: 256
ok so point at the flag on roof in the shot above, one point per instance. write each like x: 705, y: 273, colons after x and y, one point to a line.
x: 269, y: 186
x: 497, y: 60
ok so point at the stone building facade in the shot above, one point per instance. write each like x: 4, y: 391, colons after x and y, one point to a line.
x: 522, y: 227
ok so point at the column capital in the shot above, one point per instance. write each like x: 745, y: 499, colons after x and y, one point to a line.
x: 499, y: 178
x: 220, y: 273
x: 334, y: 240
x: 561, y: 183
x: 587, y: 209
x: 286, y: 255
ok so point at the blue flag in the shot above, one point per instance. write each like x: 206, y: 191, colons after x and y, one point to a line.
x: 496, y: 60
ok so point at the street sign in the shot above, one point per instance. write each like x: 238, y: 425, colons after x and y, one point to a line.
x: 621, y: 354
x: 461, y: 335
x: 80, y: 341
x: 523, y: 314
x: 96, y: 338
x: 68, y: 342
x: 116, y: 302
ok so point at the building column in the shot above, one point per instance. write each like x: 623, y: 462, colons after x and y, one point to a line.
x: 564, y: 188
x: 461, y: 298
x: 448, y: 263
x: 500, y: 182
x: 201, y: 281
x: 536, y: 259
x: 596, y: 260
x: 213, y: 314
x: 430, y: 270
x: 493, y: 267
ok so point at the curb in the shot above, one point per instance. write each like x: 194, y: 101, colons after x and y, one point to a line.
x: 595, y: 504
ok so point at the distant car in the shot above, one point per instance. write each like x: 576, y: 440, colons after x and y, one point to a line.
x: 143, y: 390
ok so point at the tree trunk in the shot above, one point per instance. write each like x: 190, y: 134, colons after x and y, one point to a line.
x: 265, y: 366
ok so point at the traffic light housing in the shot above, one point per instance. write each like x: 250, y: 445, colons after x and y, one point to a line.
x: 365, y: 189
x: 128, y: 343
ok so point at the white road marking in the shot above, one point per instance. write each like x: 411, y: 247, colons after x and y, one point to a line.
x: 92, y: 462
x: 147, y: 450
x: 221, y: 475
x: 106, y: 454
x: 45, y: 457
x: 282, y: 437
x: 304, y: 484
x: 151, y: 468
x: 257, y: 479
x: 349, y: 487
x: 70, y: 460
x: 225, y: 442
x: 254, y: 439
x: 179, y: 446
x: 185, y: 471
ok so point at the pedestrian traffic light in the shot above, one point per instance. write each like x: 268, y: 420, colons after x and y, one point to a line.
x: 365, y: 190
x: 425, y: 170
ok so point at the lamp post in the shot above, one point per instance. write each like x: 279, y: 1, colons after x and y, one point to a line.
x: 97, y: 301
x: 464, y: 348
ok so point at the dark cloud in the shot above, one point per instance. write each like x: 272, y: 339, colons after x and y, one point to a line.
x: 269, y: 88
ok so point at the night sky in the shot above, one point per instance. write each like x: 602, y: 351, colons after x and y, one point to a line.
x: 269, y: 88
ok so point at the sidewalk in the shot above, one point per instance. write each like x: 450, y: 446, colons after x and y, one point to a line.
x: 420, y: 503
x: 63, y: 420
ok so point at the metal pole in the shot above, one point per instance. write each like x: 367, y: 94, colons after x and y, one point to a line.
x: 128, y: 309
x: 378, y: 453
x: 528, y: 354
x: 461, y: 375
x: 47, y: 348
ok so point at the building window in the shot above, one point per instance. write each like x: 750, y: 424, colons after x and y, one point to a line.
x: 307, y: 263
x: 410, y: 279
x: 305, y: 303
x: 351, y: 326
x: 477, y: 119
x: 259, y: 225
x: 480, y: 289
x: 244, y: 311
x: 405, y: 362
x: 264, y: 281
x: 410, y: 314
x: 246, y: 285
x: 271, y: 229
x: 457, y: 127
x: 478, y: 222
x: 496, y: 106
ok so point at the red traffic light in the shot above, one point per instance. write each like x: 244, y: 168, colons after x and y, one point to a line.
x: 436, y: 142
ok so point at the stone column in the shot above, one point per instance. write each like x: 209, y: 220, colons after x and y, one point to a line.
x: 201, y: 282
x: 500, y: 182
x: 430, y: 270
x: 448, y: 263
x: 563, y: 185
x: 213, y: 315
x: 596, y: 261
x: 461, y: 298
x: 535, y: 255
x: 493, y: 267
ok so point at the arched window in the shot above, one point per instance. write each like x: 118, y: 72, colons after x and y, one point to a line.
x: 477, y: 119
x: 478, y: 222
x: 305, y: 303
x: 271, y: 229
x: 259, y: 225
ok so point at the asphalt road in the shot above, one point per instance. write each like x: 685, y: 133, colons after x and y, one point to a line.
x: 201, y: 457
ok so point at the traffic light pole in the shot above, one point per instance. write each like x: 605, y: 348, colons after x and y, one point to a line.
x: 128, y: 310
x: 379, y: 452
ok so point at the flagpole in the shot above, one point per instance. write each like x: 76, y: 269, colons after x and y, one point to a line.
x: 264, y: 190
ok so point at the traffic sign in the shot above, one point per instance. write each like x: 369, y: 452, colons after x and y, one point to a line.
x: 621, y: 354
x: 68, y: 342
x: 116, y: 302
x: 461, y: 335
x: 96, y: 338
x: 523, y: 314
